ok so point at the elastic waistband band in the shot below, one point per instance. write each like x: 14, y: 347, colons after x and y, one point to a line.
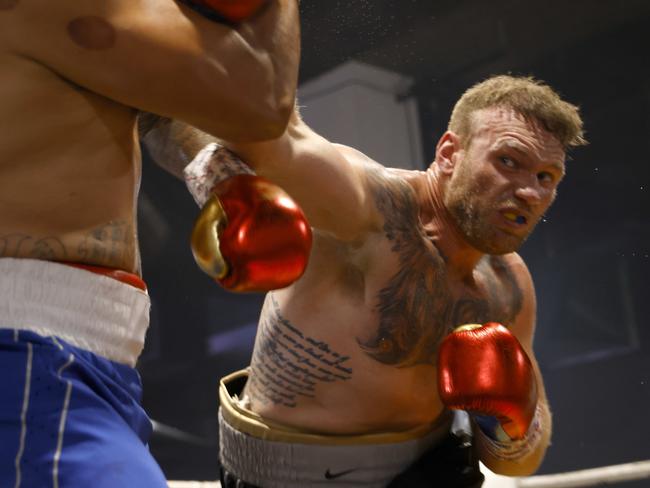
x: 246, y: 421
x: 263, y: 453
x: 117, y: 274
x: 90, y: 311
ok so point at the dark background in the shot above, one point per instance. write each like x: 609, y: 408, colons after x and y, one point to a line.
x: 590, y: 258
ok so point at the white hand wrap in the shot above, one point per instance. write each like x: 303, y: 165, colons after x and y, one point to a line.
x: 514, y: 449
x: 212, y: 165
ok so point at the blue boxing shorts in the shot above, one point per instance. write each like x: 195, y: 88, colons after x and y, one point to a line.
x: 70, y: 413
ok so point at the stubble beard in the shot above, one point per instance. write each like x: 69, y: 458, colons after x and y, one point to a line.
x: 472, y: 218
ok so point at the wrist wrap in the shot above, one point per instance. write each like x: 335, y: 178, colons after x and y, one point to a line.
x: 212, y: 165
x: 509, y: 450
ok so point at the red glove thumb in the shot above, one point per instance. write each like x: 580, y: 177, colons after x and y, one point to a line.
x: 251, y: 235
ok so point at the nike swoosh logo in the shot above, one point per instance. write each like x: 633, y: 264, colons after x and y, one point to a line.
x: 333, y: 476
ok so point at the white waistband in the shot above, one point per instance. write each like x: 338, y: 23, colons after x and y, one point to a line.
x: 89, y: 311
x: 272, y: 464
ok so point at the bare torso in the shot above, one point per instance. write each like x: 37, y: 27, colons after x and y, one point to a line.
x: 351, y: 347
x: 69, y: 170
x: 72, y: 73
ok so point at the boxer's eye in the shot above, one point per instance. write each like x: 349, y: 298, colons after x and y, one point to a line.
x: 508, y: 162
x: 545, y: 177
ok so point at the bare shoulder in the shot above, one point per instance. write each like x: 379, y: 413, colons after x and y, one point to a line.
x: 351, y: 153
x: 155, y: 55
x: 524, y: 319
x: 367, y: 168
x: 366, y: 164
x: 514, y: 264
x: 394, y: 197
x: 376, y: 177
x: 9, y: 15
x: 386, y: 199
x: 25, y: 18
x: 66, y: 34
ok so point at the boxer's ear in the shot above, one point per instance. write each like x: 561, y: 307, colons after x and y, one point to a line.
x: 448, y: 152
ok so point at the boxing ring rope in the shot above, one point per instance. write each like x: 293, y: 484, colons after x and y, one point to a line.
x: 602, y: 476
x: 194, y: 484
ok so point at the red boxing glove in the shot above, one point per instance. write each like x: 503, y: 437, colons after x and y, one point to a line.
x: 251, y: 235
x: 484, y: 369
x: 234, y: 11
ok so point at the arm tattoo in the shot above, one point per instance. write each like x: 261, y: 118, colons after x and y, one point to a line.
x: 170, y: 143
x: 416, y: 309
x: 288, y: 365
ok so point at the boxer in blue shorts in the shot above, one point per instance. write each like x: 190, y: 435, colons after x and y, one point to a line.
x: 70, y: 413
x: 74, y: 80
x: 81, y: 421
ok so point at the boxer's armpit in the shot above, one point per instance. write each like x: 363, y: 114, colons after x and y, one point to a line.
x: 148, y: 121
x: 288, y: 365
x: 8, y: 4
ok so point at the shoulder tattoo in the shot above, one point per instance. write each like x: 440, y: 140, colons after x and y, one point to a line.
x: 416, y: 309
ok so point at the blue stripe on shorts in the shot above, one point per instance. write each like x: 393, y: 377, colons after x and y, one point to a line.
x: 70, y: 418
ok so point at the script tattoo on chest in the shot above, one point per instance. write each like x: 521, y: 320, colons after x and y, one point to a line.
x: 288, y: 364
x: 416, y: 308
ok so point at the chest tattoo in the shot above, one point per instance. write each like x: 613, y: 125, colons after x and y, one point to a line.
x: 416, y: 309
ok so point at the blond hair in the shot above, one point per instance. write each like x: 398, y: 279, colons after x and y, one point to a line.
x: 529, y: 97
